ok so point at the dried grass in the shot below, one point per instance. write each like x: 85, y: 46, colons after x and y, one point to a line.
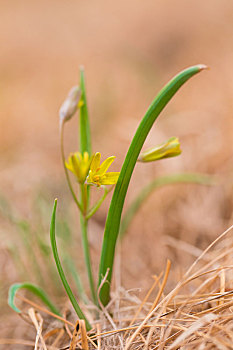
x: 196, y: 314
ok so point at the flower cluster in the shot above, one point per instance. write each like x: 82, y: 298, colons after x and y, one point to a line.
x: 89, y: 169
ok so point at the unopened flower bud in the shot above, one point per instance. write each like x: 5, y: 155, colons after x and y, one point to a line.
x: 70, y: 105
x: 171, y: 148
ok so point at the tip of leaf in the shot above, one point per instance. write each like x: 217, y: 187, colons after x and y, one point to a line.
x: 81, y: 68
x: 11, y: 295
x: 202, y: 67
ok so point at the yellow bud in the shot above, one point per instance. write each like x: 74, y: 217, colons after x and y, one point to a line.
x: 169, y: 149
x: 79, y: 165
x: 70, y: 105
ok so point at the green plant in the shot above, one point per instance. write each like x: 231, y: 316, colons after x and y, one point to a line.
x: 114, y: 214
x: 91, y: 175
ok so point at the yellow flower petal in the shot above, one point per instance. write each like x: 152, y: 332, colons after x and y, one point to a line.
x: 109, y: 178
x: 79, y: 165
x: 105, y: 165
x: 78, y: 156
x: 85, y: 157
x: 98, y: 173
x: 95, y: 163
x: 69, y: 166
x: 75, y: 164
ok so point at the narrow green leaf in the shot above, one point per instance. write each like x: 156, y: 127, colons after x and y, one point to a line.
x: 68, y: 290
x: 115, y: 210
x: 199, y: 179
x: 85, y: 146
x: 84, y: 124
x: 84, y: 127
x: 35, y: 290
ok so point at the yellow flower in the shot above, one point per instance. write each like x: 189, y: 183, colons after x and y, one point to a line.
x: 98, y: 173
x: 79, y: 165
x: 171, y: 148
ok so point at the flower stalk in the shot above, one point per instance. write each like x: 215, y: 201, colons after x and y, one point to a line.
x: 65, y: 168
x: 94, y: 209
x: 87, y: 256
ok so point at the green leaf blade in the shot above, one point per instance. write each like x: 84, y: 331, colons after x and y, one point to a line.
x: 84, y: 127
x: 116, y: 206
x: 35, y: 290
x: 65, y: 283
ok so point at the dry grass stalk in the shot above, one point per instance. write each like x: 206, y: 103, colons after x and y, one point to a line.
x: 196, y: 314
x: 80, y: 329
x: 38, y: 322
x: 145, y: 299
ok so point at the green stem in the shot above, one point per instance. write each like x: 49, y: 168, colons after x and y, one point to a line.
x: 66, y: 170
x: 86, y: 249
x: 94, y: 209
x: 84, y: 124
x: 114, y: 214
x: 84, y: 198
x: 87, y: 257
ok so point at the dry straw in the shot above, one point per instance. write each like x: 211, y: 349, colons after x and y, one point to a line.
x: 196, y: 314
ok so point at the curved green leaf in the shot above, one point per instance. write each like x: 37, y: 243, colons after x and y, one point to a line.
x: 115, y: 210
x: 68, y: 290
x: 35, y: 290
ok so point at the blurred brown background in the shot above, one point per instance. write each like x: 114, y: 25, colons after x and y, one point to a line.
x: 130, y: 49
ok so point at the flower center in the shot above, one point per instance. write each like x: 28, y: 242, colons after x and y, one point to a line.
x: 96, y: 178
